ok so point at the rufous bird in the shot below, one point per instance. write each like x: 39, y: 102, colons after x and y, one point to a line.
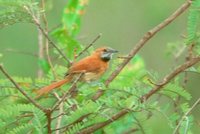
x: 92, y: 67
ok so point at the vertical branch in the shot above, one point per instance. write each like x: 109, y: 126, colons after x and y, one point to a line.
x: 185, y: 80
x: 46, y: 40
x: 59, y: 120
x: 40, y: 47
x: 49, y: 119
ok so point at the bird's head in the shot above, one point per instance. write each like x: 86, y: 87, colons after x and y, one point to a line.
x: 105, y: 53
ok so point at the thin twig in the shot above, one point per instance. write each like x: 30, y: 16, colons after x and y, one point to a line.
x: 58, y: 123
x: 45, y: 34
x: 143, y: 41
x: 131, y: 131
x: 67, y: 93
x: 21, y: 52
x: 46, y: 40
x: 185, y: 115
x: 21, y: 90
x: 60, y: 114
x: 139, y: 124
x: 97, y: 126
x: 87, y: 47
x: 73, y: 123
x: 123, y: 112
x: 185, y: 79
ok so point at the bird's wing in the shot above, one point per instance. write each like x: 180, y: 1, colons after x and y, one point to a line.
x: 88, y: 64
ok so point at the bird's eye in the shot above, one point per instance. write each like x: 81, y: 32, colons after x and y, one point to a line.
x: 105, y: 50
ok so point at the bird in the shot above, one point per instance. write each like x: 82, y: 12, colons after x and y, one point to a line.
x: 91, y: 67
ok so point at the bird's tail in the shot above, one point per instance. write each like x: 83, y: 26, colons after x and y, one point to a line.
x: 52, y: 86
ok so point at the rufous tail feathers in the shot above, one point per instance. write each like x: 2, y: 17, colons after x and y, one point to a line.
x: 49, y: 88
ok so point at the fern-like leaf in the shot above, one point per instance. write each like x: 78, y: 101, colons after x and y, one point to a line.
x: 193, y: 21
x: 13, y: 11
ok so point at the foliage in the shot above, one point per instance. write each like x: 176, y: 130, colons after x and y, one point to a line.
x: 65, y: 35
x: 19, y: 116
x: 193, y: 22
x: 13, y: 11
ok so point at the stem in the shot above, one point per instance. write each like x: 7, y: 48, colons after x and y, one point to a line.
x: 123, y: 112
x: 142, y: 42
x: 40, y: 48
x: 21, y: 90
x: 185, y: 115
x: 48, y: 115
x: 67, y: 93
x: 35, y: 20
x: 87, y: 47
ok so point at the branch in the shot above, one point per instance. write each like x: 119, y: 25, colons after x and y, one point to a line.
x: 97, y: 126
x: 146, y: 38
x: 87, y: 47
x: 123, y: 112
x: 48, y: 114
x: 21, y: 90
x: 141, y: 43
x: 80, y: 119
x: 40, y: 47
x: 67, y: 93
x: 171, y: 76
x: 21, y: 52
x: 36, y: 22
x: 185, y: 115
x: 131, y: 131
x: 44, y: 18
x: 58, y: 123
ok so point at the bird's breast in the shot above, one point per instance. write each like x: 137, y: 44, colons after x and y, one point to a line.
x: 91, y: 76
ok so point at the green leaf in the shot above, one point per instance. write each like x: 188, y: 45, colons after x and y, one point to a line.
x: 72, y: 15
x: 193, y: 21
x: 21, y: 129
x: 71, y: 20
x: 68, y: 44
x: 173, y: 90
x: 135, y: 68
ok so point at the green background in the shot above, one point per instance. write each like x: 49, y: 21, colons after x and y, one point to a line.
x: 122, y: 24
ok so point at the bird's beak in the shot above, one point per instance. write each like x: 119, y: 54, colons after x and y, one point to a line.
x: 110, y: 50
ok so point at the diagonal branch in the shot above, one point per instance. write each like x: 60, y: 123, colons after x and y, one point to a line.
x: 67, y: 93
x: 21, y: 90
x: 185, y: 115
x: 36, y: 22
x: 97, y: 126
x: 141, y: 43
x: 87, y: 47
x: 146, y: 38
x: 170, y: 76
x: 123, y: 112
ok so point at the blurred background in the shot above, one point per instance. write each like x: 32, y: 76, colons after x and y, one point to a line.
x: 122, y: 24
